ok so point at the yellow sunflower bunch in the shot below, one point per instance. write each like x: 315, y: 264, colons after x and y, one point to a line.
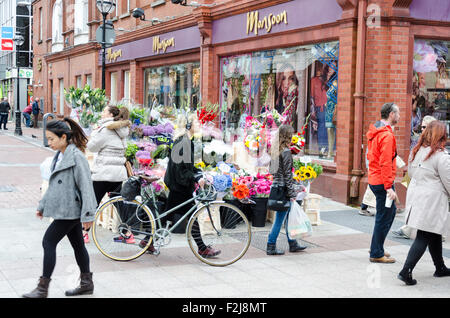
x: 305, y: 173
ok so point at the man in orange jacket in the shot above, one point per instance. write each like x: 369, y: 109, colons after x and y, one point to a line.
x: 382, y: 153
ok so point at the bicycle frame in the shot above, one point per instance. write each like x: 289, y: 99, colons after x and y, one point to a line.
x: 159, y: 216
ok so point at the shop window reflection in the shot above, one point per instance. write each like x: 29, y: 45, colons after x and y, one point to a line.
x: 173, y: 86
x: 295, y: 82
x: 431, y: 84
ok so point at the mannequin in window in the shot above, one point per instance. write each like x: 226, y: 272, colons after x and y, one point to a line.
x: 233, y: 104
x: 330, y: 112
x: 57, y: 22
x: 319, y: 99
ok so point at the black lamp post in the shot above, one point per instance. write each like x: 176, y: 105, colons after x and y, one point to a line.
x: 19, y: 40
x: 105, y: 7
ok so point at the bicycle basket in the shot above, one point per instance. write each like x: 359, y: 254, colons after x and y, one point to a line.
x: 131, y: 189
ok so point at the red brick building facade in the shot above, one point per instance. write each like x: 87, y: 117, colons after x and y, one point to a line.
x: 376, y: 43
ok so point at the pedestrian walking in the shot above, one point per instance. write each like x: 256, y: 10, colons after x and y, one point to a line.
x: 405, y: 231
x: 427, y: 200
x: 27, y: 114
x: 382, y: 169
x: 281, y: 167
x: 35, y: 110
x: 109, y: 142
x: 4, y: 113
x: 70, y: 201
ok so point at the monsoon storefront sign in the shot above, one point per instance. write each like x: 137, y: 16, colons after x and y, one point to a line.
x: 180, y: 40
x: 274, y: 19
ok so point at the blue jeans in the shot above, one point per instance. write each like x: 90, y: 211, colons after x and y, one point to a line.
x: 27, y: 118
x: 276, y: 227
x: 322, y: 134
x: 383, y: 221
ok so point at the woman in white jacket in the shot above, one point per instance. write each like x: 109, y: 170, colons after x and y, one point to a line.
x: 109, y: 142
x: 427, y: 208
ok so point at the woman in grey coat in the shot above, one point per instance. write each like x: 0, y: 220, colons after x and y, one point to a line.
x: 427, y: 207
x: 70, y: 201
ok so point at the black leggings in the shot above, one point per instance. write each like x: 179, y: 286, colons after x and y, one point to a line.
x: 103, y: 187
x: 54, y: 234
x: 423, y: 240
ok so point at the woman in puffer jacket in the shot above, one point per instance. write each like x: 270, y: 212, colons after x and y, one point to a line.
x: 109, y: 142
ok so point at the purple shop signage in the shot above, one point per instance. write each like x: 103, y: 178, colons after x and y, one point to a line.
x: 160, y: 44
x: 437, y: 10
x: 287, y: 16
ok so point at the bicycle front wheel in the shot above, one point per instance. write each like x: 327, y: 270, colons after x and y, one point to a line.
x: 123, y: 230
x: 219, y: 227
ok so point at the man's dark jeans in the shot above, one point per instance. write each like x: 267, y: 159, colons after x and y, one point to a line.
x: 383, y: 221
x: 3, y: 120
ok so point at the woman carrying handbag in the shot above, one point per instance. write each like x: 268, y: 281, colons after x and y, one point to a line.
x: 427, y: 200
x: 282, y: 193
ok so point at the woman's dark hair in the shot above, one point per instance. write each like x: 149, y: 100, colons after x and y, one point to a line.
x: 285, y: 133
x: 121, y: 113
x: 67, y: 126
x: 434, y: 136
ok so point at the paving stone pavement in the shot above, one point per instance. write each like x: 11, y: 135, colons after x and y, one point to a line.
x: 335, y: 265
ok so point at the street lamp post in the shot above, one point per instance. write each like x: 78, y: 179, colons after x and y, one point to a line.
x: 105, y: 7
x: 19, y: 40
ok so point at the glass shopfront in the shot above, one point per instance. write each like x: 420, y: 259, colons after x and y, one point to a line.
x: 299, y: 83
x: 173, y: 86
x: 431, y: 84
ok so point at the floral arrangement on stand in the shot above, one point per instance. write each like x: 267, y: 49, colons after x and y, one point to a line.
x: 86, y: 104
x: 306, y: 172
x: 298, y: 139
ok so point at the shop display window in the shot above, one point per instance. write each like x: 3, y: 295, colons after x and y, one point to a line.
x: 431, y: 84
x: 173, y: 86
x: 300, y: 83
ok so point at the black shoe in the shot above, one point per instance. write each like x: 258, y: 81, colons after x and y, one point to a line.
x: 86, y: 286
x: 5, y: 128
x: 41, y: 291
x: 406, y: 276
x: 295, y: 247
x: 442, y: 272
x: 272, y: 250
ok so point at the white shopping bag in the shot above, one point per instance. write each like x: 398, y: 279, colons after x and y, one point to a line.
x: 298, y: 224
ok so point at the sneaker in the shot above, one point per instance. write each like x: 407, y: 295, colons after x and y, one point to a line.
x: 121, y: 239
x: 400, y: 234
x: 209, y: 252
x: 151, y: 249
x: 86, y: 238
x: 366, y: 212
x: 383, y: 259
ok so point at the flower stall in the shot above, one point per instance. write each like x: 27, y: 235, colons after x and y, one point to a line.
x: 238, y: 167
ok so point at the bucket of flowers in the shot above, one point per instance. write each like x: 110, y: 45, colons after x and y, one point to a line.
x: 260, y: 188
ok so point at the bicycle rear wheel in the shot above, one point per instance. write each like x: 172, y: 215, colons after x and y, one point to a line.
x: 123, y: 230
x: 219, y: 226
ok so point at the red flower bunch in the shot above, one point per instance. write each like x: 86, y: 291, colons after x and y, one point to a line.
x: 146, y: 162
x: 207, y: 112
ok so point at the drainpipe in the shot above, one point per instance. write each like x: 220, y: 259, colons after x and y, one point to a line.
x: 357, y: 172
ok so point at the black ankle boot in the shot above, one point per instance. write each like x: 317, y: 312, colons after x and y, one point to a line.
x: 442, y: 272
x: 406, y: 276
x: 86, y: 286
x: 272, y: 250
x: 41, y: 291
x: 295, y: 247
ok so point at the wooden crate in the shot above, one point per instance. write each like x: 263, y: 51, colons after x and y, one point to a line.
x: 311, y: 206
